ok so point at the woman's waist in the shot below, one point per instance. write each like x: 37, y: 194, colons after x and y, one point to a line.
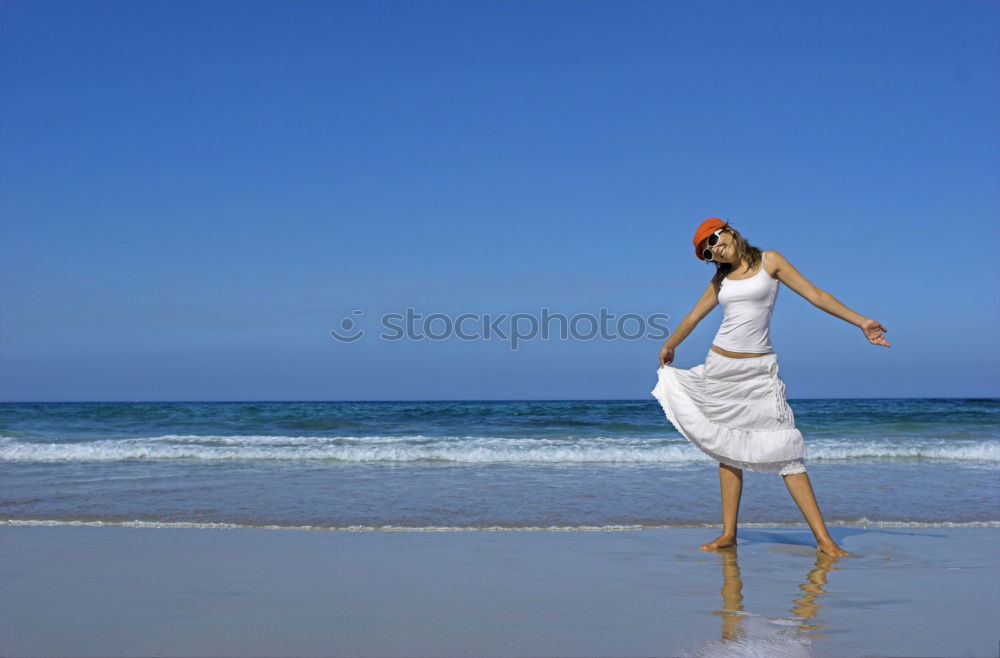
x: 738, y: 355
x: 743, y: 340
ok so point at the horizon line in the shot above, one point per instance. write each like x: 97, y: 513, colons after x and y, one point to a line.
x: 932, y: 397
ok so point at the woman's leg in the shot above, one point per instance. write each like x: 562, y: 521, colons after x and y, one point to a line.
x: 799, y: 486
x: 731, y: 483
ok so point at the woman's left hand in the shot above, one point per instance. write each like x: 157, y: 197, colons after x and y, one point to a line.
x: 873, y: 330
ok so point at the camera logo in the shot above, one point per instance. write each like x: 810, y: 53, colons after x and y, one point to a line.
x: 347, y: 326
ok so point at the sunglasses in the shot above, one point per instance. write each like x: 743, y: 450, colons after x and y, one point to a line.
x: 712, y: 241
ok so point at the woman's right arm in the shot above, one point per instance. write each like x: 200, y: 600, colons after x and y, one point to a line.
x: 708, y: 301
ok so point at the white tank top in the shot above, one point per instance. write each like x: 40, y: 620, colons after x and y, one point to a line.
x: 747, y: 305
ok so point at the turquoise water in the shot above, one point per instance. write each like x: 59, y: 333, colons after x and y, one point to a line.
x: 431, y: 465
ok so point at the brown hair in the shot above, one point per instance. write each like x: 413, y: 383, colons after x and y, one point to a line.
x: 744, y: 252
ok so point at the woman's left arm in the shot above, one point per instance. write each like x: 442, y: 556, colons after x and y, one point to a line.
x: 791, y: 277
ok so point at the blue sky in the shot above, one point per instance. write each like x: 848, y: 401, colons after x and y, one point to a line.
x: 193, y: 194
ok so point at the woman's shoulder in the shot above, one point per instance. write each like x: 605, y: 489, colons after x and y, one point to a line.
x: 769, y: 261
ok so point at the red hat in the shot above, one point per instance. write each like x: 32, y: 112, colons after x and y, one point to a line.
x: 705, y: 229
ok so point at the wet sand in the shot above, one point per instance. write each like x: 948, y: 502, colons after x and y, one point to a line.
x: 98, y: 591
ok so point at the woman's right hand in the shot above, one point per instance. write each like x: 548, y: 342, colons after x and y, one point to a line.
x: 666, y: 355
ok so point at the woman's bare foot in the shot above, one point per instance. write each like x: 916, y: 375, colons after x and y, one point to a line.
x: 830, y: 548
x: 722, y: 541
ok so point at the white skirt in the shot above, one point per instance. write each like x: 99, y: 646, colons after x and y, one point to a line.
x: 734, y: 410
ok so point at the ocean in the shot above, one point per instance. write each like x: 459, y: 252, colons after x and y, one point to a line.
x: 479, y: 465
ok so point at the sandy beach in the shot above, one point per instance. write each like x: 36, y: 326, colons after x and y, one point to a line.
x: 98, y: 591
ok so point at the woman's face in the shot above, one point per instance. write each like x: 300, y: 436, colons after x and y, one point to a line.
x: 723, y: 251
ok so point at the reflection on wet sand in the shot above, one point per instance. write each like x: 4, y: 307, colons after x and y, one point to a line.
x: 746, y: 633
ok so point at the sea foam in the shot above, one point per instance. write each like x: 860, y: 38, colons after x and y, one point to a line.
x: 465, y: 449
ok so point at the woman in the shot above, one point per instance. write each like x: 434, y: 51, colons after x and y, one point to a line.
x: 733, y: 406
